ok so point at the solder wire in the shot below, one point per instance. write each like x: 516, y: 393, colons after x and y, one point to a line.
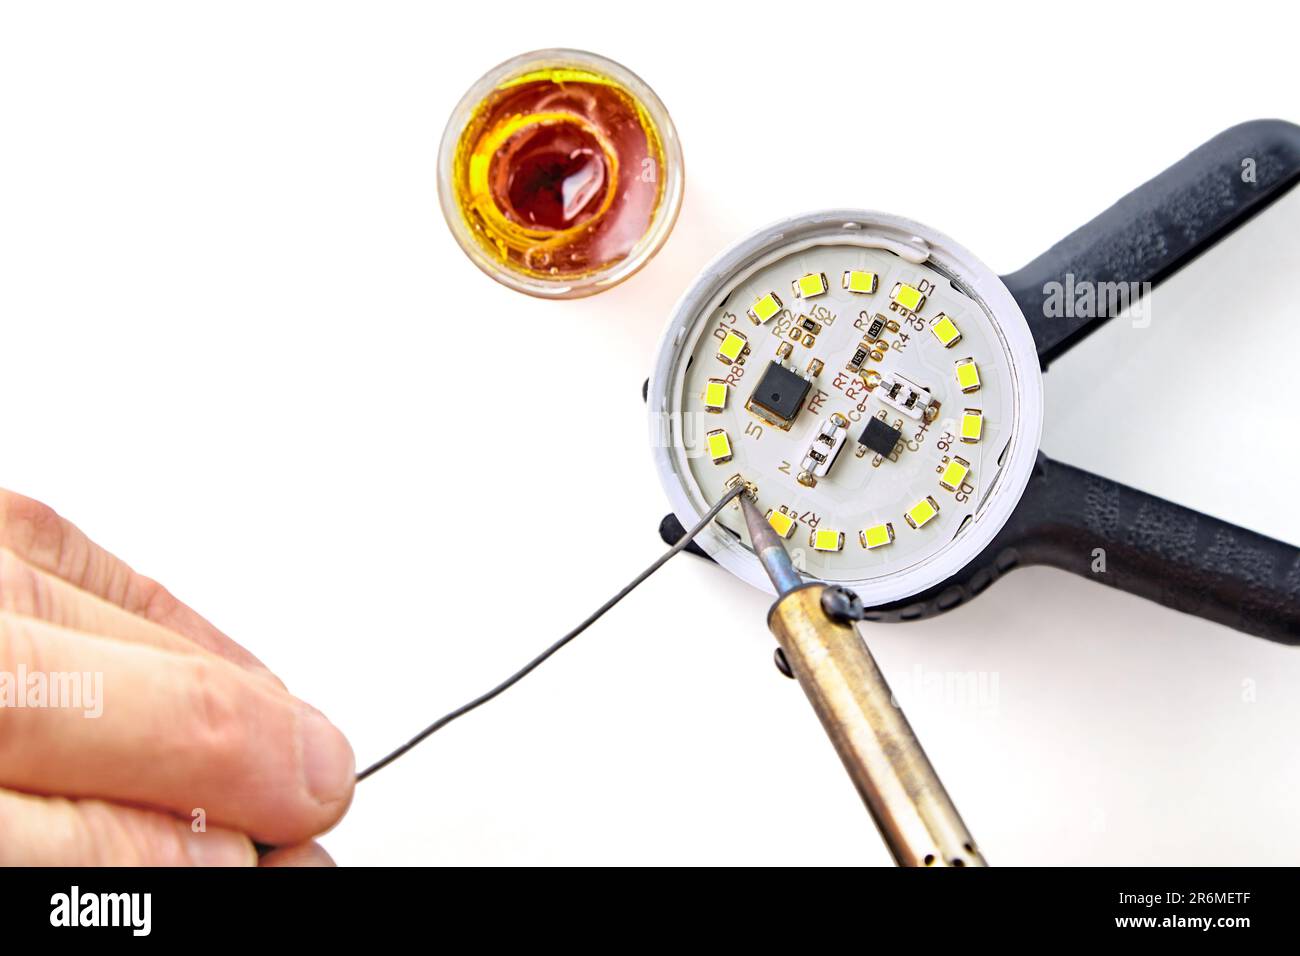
x: 532, y: 665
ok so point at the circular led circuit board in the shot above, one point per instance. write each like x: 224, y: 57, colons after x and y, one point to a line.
x: 876, y: 385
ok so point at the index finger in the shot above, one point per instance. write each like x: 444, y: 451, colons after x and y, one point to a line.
x: 38, y: 534
x: 147, y: 726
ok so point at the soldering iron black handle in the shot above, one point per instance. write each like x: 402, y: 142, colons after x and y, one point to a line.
x: 1097, y: 528
x: 1156, y: 229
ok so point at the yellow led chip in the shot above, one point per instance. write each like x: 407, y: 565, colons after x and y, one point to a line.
x: 827, y: 540
x: 945, y: 330
x: 715, y: 395
x: 908, y: 297
x: 766, y: 307
x: 922, y: 512
x: 954, y: 473
x: 855, y: 280
x: 814, y: 283
x: 732, y: 347
x: 877, y: 536
x: 781, y: 522
x: 972, y: 425
x: 719, y: 446
x: 968, y: 376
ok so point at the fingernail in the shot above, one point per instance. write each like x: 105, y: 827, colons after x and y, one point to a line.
x: 327, y: 758
x: 218, y: 848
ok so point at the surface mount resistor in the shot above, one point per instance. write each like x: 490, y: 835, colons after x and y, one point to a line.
x: 859, y: 357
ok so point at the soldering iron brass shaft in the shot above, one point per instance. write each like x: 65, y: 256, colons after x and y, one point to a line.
x: 875, y: 742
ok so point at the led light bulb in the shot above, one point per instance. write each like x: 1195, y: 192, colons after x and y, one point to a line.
x: 560, y: 173
x: 851, y: 403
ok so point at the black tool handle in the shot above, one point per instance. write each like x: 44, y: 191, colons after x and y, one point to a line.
x: 1097, y: 528
x: 1081, y: 522
x: 1155, y: 230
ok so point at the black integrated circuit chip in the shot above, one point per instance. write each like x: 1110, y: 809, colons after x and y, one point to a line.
x: 780, y: 393
x: 880, y: 437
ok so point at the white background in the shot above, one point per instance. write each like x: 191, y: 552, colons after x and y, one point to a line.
x: 242, y: 350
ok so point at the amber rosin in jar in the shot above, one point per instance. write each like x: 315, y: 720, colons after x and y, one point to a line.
x: 560, y: 173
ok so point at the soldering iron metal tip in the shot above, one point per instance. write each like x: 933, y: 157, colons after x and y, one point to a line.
x: 767, y: 545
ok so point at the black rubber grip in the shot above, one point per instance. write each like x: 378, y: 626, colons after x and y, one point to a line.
x: 671, y: 531
x: 1155, y: 230
x: 1097, y: 528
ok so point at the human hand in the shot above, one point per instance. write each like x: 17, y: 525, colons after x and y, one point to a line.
x: 189, y: 724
